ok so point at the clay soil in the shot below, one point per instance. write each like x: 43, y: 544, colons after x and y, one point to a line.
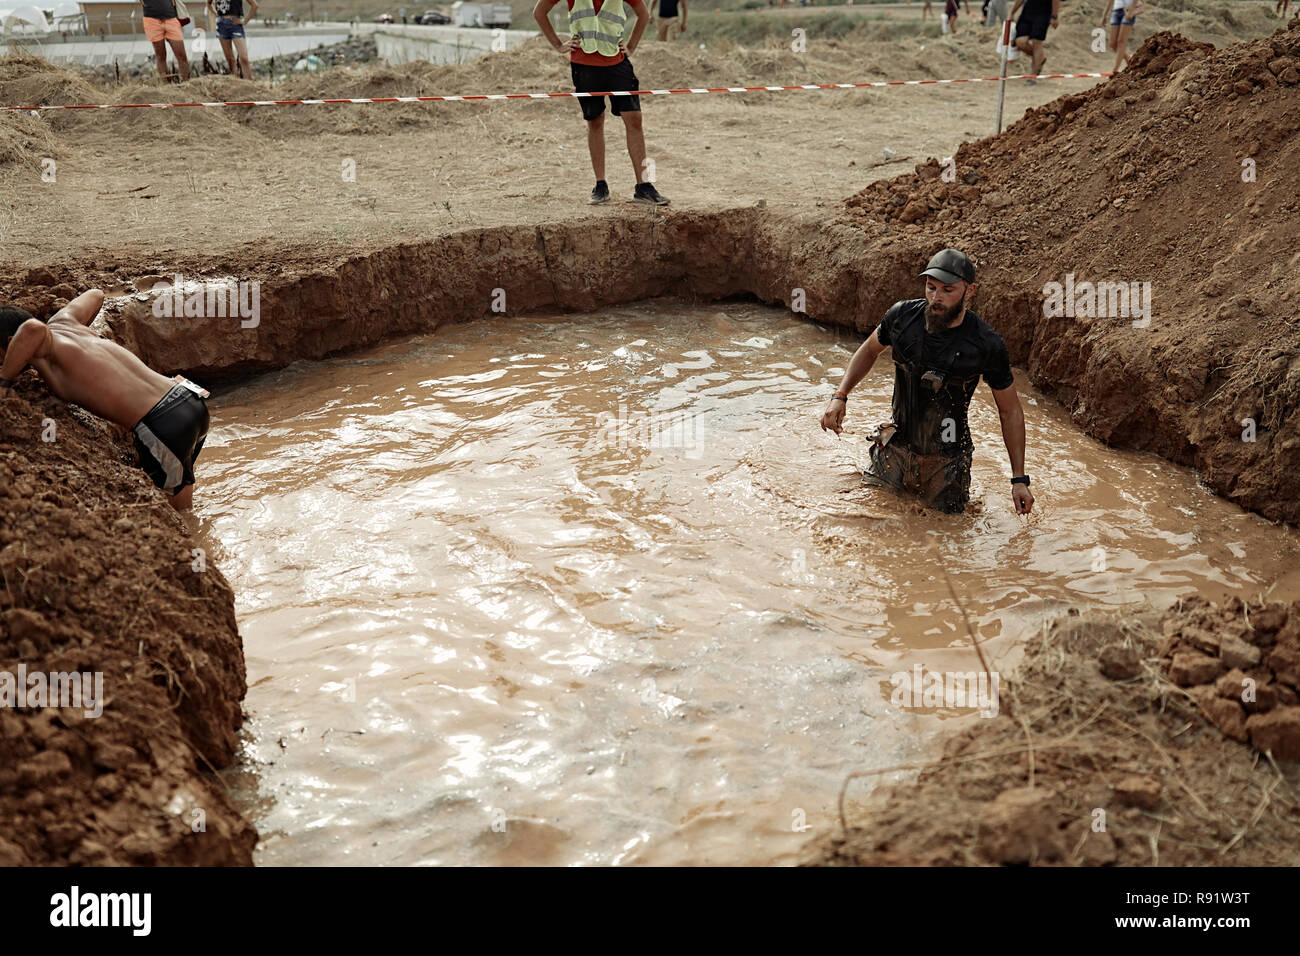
x: 99, y: 576
x: 1137, y: 178
x: 1099, y: 758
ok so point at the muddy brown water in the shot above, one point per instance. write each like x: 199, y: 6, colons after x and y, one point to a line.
x: 597, y: 589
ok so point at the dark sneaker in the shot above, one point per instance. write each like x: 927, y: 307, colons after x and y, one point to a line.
x: 646, y: 193
x: 599, y: 195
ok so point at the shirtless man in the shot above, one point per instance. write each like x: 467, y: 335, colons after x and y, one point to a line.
x: 167, y: 416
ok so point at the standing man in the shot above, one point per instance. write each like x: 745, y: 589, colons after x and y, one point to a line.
x: 1031, y: 28
x: 598, y: 61
x: 940, y: 349
x: 667, y: 18
x: 230, y: 30
x: 162, y: 27
x: 168, y: 416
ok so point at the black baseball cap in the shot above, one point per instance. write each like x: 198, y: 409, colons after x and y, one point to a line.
x: 949, y: 266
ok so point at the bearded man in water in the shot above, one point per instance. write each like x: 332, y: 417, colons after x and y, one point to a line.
x: 168, y: 416
x: 940, y: 349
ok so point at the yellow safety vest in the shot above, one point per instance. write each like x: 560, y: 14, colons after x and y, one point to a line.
x: 598, y: 31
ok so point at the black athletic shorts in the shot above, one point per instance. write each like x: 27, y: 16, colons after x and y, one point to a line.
x: 605, y: 79
x: 170, y: 437
x: 1033, y: 25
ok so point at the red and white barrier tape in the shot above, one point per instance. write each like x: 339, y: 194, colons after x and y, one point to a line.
x: 549, y: 96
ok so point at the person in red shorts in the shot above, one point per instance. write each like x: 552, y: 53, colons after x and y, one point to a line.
x: 162, y: 26
x: 599, y: 63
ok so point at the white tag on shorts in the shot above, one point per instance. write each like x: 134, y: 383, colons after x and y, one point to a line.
x: 200, y: 392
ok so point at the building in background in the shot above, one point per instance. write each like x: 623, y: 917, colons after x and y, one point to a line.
x: 112, y: 16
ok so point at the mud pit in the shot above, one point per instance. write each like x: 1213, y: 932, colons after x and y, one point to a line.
x: 1151, y: 167
x: 467, y: 593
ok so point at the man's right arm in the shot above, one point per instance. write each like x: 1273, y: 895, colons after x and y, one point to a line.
x: 863, y: 359
x: 541, y: 13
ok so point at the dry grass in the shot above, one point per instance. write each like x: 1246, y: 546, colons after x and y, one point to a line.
x: 1075, y: 734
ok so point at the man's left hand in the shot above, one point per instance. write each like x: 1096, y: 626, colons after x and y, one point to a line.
x: 1023, y: 497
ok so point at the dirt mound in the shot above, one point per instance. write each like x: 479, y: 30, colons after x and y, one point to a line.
x: 27, y: 80
x: 1095, y: 759
x: 1242, y: 667
x: 1181, y: 173
x: 100, y: 576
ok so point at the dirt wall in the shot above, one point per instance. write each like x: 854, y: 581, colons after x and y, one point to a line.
x: 1180, y: 388
x: 101, y: 578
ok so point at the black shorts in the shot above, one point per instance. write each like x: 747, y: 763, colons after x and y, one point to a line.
x: 170, y: 437
x: 1033, y: 25
x: 605, y: 79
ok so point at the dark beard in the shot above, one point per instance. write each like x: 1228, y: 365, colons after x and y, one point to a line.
x: 937, y: 321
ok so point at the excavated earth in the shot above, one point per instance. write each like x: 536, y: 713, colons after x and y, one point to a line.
x: 1102, y: 754
x: 1183, y: 172
x: 100, y: 576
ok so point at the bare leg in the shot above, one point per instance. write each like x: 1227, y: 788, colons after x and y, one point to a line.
x: 596, y: 145
x: 182, y: 61
x: 229, y: 51
x: 160, y: 56
x: 245, y: 66
x: 635, y: 142
x: 1121, y: 47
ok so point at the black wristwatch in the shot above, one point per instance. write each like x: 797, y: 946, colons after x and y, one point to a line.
x: 842, y: 396
x: 1021, y: 480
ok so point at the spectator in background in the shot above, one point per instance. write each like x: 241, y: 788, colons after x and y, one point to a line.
x: 162, y: 27
x: 599, y: 63
x: 950, y: 11
x: 230, y: 31
x: 1031, y: 29
x: 1123, y: 14
x: 995, y: 13
x: 668, y: 27
x: 1281, y: 8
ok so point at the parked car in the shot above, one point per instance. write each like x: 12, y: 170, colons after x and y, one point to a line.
x: 432, y: 17
x: 384, y: 18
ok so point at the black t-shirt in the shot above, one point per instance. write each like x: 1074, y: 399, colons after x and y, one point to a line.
x: 159, y: 9
x: 228, y: 8
x: 667, y: 8
x: 933, y: 420
x: 1037, y: 9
